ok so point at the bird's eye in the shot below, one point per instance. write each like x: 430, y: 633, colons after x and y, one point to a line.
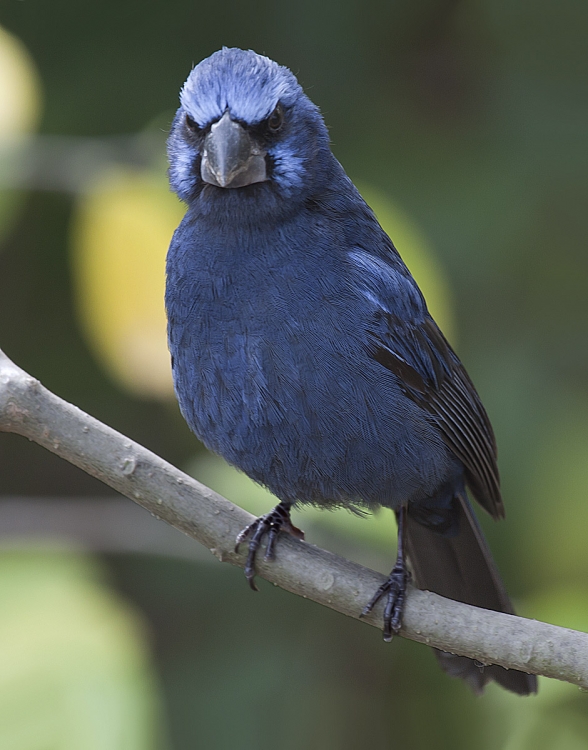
x: 192, y: 125
x: 275, y: 120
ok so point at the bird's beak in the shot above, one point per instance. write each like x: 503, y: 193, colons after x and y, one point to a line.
x: 230, y: 157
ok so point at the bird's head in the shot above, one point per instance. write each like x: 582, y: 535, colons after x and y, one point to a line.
x: 244, y: 126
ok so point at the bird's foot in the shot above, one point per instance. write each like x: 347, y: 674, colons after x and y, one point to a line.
x: 395, y: 590
x: 271, y: 524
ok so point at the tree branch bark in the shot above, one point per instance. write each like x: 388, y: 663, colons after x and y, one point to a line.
x: 30, y: 410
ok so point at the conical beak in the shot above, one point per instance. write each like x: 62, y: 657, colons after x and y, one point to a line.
x: 230, y: 157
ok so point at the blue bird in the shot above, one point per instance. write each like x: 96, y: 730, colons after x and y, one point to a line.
x: 302, y: 348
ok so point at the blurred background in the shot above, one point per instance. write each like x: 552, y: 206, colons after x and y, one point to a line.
x: 464, y: 125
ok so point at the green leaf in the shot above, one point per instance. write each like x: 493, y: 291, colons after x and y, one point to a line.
x: 74, y: 662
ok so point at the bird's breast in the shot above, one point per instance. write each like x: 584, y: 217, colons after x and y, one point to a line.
x: 272, y: 372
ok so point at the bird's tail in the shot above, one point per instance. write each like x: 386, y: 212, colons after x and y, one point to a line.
x: 460, y: 567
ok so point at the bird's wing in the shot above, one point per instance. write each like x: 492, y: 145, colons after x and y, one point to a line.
x: 405, y: 339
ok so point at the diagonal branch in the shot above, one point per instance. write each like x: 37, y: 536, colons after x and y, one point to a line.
x: 29, y: 409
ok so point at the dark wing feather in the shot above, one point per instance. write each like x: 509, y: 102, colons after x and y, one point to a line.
x: 432, y: 375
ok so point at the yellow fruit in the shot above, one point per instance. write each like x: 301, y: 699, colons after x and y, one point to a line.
x: 122, y: 228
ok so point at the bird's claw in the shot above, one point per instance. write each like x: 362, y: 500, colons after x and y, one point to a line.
x: 395, y: 589
x: 271, y: 524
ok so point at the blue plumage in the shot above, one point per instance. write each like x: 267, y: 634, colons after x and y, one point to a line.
x: 302, y: 349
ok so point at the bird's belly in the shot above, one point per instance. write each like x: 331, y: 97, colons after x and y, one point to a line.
x: 308, y: 422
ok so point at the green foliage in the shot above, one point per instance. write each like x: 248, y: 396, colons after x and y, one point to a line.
x: 74, y: 661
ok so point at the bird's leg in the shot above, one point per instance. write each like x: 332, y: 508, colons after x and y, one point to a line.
x: 394, y: 587
x: 271, y: 524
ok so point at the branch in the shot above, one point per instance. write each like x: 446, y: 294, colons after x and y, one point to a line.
x: 29, y: 409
